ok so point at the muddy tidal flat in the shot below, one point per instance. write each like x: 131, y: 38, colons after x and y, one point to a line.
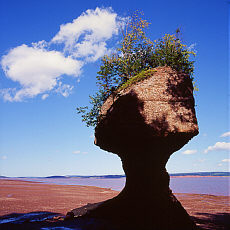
x: 34, y: 205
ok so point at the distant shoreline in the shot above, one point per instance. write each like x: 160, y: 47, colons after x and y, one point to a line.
x: 195, y: 176
x: 95, y: 177
x: 115, y: 176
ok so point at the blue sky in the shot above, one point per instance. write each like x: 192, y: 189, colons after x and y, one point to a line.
x: 47, y: 71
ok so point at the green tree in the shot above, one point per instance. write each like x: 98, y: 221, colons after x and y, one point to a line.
x: 130, y: 57
x: 169, y: 51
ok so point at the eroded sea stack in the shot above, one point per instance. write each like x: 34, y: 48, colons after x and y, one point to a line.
x: 144, y: 124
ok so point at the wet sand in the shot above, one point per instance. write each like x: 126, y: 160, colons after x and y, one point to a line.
x: 22, y: 197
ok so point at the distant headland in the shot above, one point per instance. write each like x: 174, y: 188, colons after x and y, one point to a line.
x: 192, y: 174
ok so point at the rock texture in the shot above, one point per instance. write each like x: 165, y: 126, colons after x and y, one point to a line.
x: 144, y: 124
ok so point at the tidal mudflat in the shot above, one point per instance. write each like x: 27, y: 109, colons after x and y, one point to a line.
x: 34, y: 205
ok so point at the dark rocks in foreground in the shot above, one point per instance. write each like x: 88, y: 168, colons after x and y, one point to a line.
x: 208, y: 212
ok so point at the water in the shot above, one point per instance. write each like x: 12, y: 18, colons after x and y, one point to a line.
x: 201, y: 185
x: 115, y: 183
x: 196, y: 185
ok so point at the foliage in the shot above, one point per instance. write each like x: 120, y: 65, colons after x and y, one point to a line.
x: 169, y: 51
x: 134, y: 60
x: 139, y: 77
x: 130, y: 58
x: 91, y: 117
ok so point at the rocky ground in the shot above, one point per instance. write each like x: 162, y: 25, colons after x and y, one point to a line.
x: 31, y: 205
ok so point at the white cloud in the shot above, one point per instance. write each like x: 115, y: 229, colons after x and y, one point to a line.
x: 227, y: 134
x: 4, y: 157
x: 219, y: 146
x: 91, y: 51
x: 44, y: 96
x: 76, y: 152
x: 64, y: 89
x: 226, y: 160
x: 39, y: 69
x: 220, y: 165
x: 85, y: 36
x: 189, y: 152
x: 192, y: 47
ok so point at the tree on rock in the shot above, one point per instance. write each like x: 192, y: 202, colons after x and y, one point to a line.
x: 136, y: 53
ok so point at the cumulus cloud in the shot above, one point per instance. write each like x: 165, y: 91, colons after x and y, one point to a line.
x: 44, y: 96
x: 219, y: 146
x: 187, y: 152
x: 64, y: 89
x: 36, y: 69
x: 226, y: 160
x: 227, y: 134
x: 39, y: 69
x: 78, y: 152
x: 85, y: 36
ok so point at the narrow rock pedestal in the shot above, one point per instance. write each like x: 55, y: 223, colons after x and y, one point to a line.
x: 144, y: 124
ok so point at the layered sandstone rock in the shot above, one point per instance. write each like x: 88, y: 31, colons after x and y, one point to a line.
x: 160, y: 106
x: 144, y: 124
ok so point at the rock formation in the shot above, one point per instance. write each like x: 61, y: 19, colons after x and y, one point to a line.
x: 144, y: 124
